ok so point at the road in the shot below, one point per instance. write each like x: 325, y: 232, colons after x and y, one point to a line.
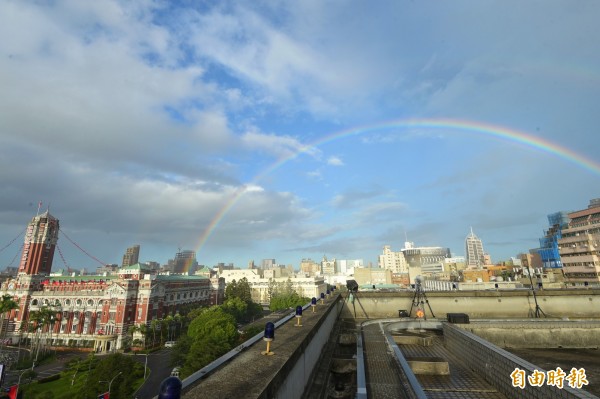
x: 160, y: 367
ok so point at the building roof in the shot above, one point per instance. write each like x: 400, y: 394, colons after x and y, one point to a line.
x: 175, y: 277
x: 46, y: 215
x: 136, y: 266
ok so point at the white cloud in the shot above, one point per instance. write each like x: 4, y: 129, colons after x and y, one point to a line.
x: 335, y: 161
x: 279, y: 146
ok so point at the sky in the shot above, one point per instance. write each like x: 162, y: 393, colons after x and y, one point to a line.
x: 290, y: 130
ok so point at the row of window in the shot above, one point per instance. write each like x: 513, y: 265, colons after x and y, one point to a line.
x: 67, y: 302
x: 586, y: 275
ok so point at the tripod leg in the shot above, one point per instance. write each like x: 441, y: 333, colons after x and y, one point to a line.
x: 361, y: 306
x: 415, y: 298
x: 427, y: 302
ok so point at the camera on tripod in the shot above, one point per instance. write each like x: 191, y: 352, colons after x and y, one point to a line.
x: 352, y: 285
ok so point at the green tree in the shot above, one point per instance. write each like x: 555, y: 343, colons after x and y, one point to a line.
x: 231, y: 290
x: 212, y: 334
x: 244, y: 292
x: 42, y: 322
x: 286, y: 301
x: 236, y: 307
x: 7, y: 303
x: 181, y: 350
x: 121, y: 369
x: 178, y: 319
x: 154, y: 325
x: 240, y: 289
x: 144, y: 331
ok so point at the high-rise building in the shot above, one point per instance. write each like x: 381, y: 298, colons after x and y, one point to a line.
x: 267, y: 264
x: 393, y: 261
x: 548, y: 249
x: 38, y: 248
x: 184, y: 261
x: 580, y: 244
x: 474, y: 254
x: 132, y: 255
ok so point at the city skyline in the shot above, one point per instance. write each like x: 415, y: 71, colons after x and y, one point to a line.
x: 287, y: 131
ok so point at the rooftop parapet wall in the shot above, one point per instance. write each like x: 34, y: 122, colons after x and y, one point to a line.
x: 538, y: 333
x: 571, y: 303
x: 496, y: 365
x: 283, y: 375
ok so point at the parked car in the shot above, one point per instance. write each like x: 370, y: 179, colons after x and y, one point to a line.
x: 169, y: 344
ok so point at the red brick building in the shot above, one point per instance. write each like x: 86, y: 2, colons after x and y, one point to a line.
x: 95, y: 311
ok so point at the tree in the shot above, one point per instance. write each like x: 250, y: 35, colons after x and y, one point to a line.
x: 286, y: 301
x: 181, y: 350
x: 212, y: 334
x: 240, y: 289
x: 43, y: 322
x: 154, y: 324
x: 144, y: 331
x: 235, y: 307
x: 244, y: 292
x: 121, y: 369
x: 131, y: 332
x: 7, y: 303
x: 179, y: 323
x: 231, y: 290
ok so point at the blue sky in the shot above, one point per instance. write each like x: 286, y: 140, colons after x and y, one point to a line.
x: 211, y: 125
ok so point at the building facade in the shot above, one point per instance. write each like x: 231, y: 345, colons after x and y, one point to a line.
x: 393, y: 261
x: 548, y: 250
x: 262, y: 287
x: 309, y: 267
x: 579, y: 246
x: 328, y: 266
x: 92, y: 311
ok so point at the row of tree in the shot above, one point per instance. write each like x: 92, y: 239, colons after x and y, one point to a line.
x: 214, y: 331
x: 159, y: 331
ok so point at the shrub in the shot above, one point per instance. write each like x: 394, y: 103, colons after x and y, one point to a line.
x: 49, y: 378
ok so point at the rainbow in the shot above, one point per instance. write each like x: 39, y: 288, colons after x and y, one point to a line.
x: 467, y: 126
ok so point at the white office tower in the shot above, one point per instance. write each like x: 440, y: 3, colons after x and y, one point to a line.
x: 474, y: 254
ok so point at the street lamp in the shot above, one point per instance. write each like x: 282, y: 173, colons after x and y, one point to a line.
x: 19, y: 382
x: 111, y: 381
x: 145, y: 366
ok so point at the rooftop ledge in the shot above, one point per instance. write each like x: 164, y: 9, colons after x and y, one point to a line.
x: 248, y: 373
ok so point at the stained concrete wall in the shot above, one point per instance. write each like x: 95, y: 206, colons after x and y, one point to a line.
x: 285, y: 374
x: 296, y: 381
x: 543, y: 333
x: 478, y: 304
x: 495, y: 365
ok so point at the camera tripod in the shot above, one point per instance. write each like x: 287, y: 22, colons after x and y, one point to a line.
x: 419, y: 300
